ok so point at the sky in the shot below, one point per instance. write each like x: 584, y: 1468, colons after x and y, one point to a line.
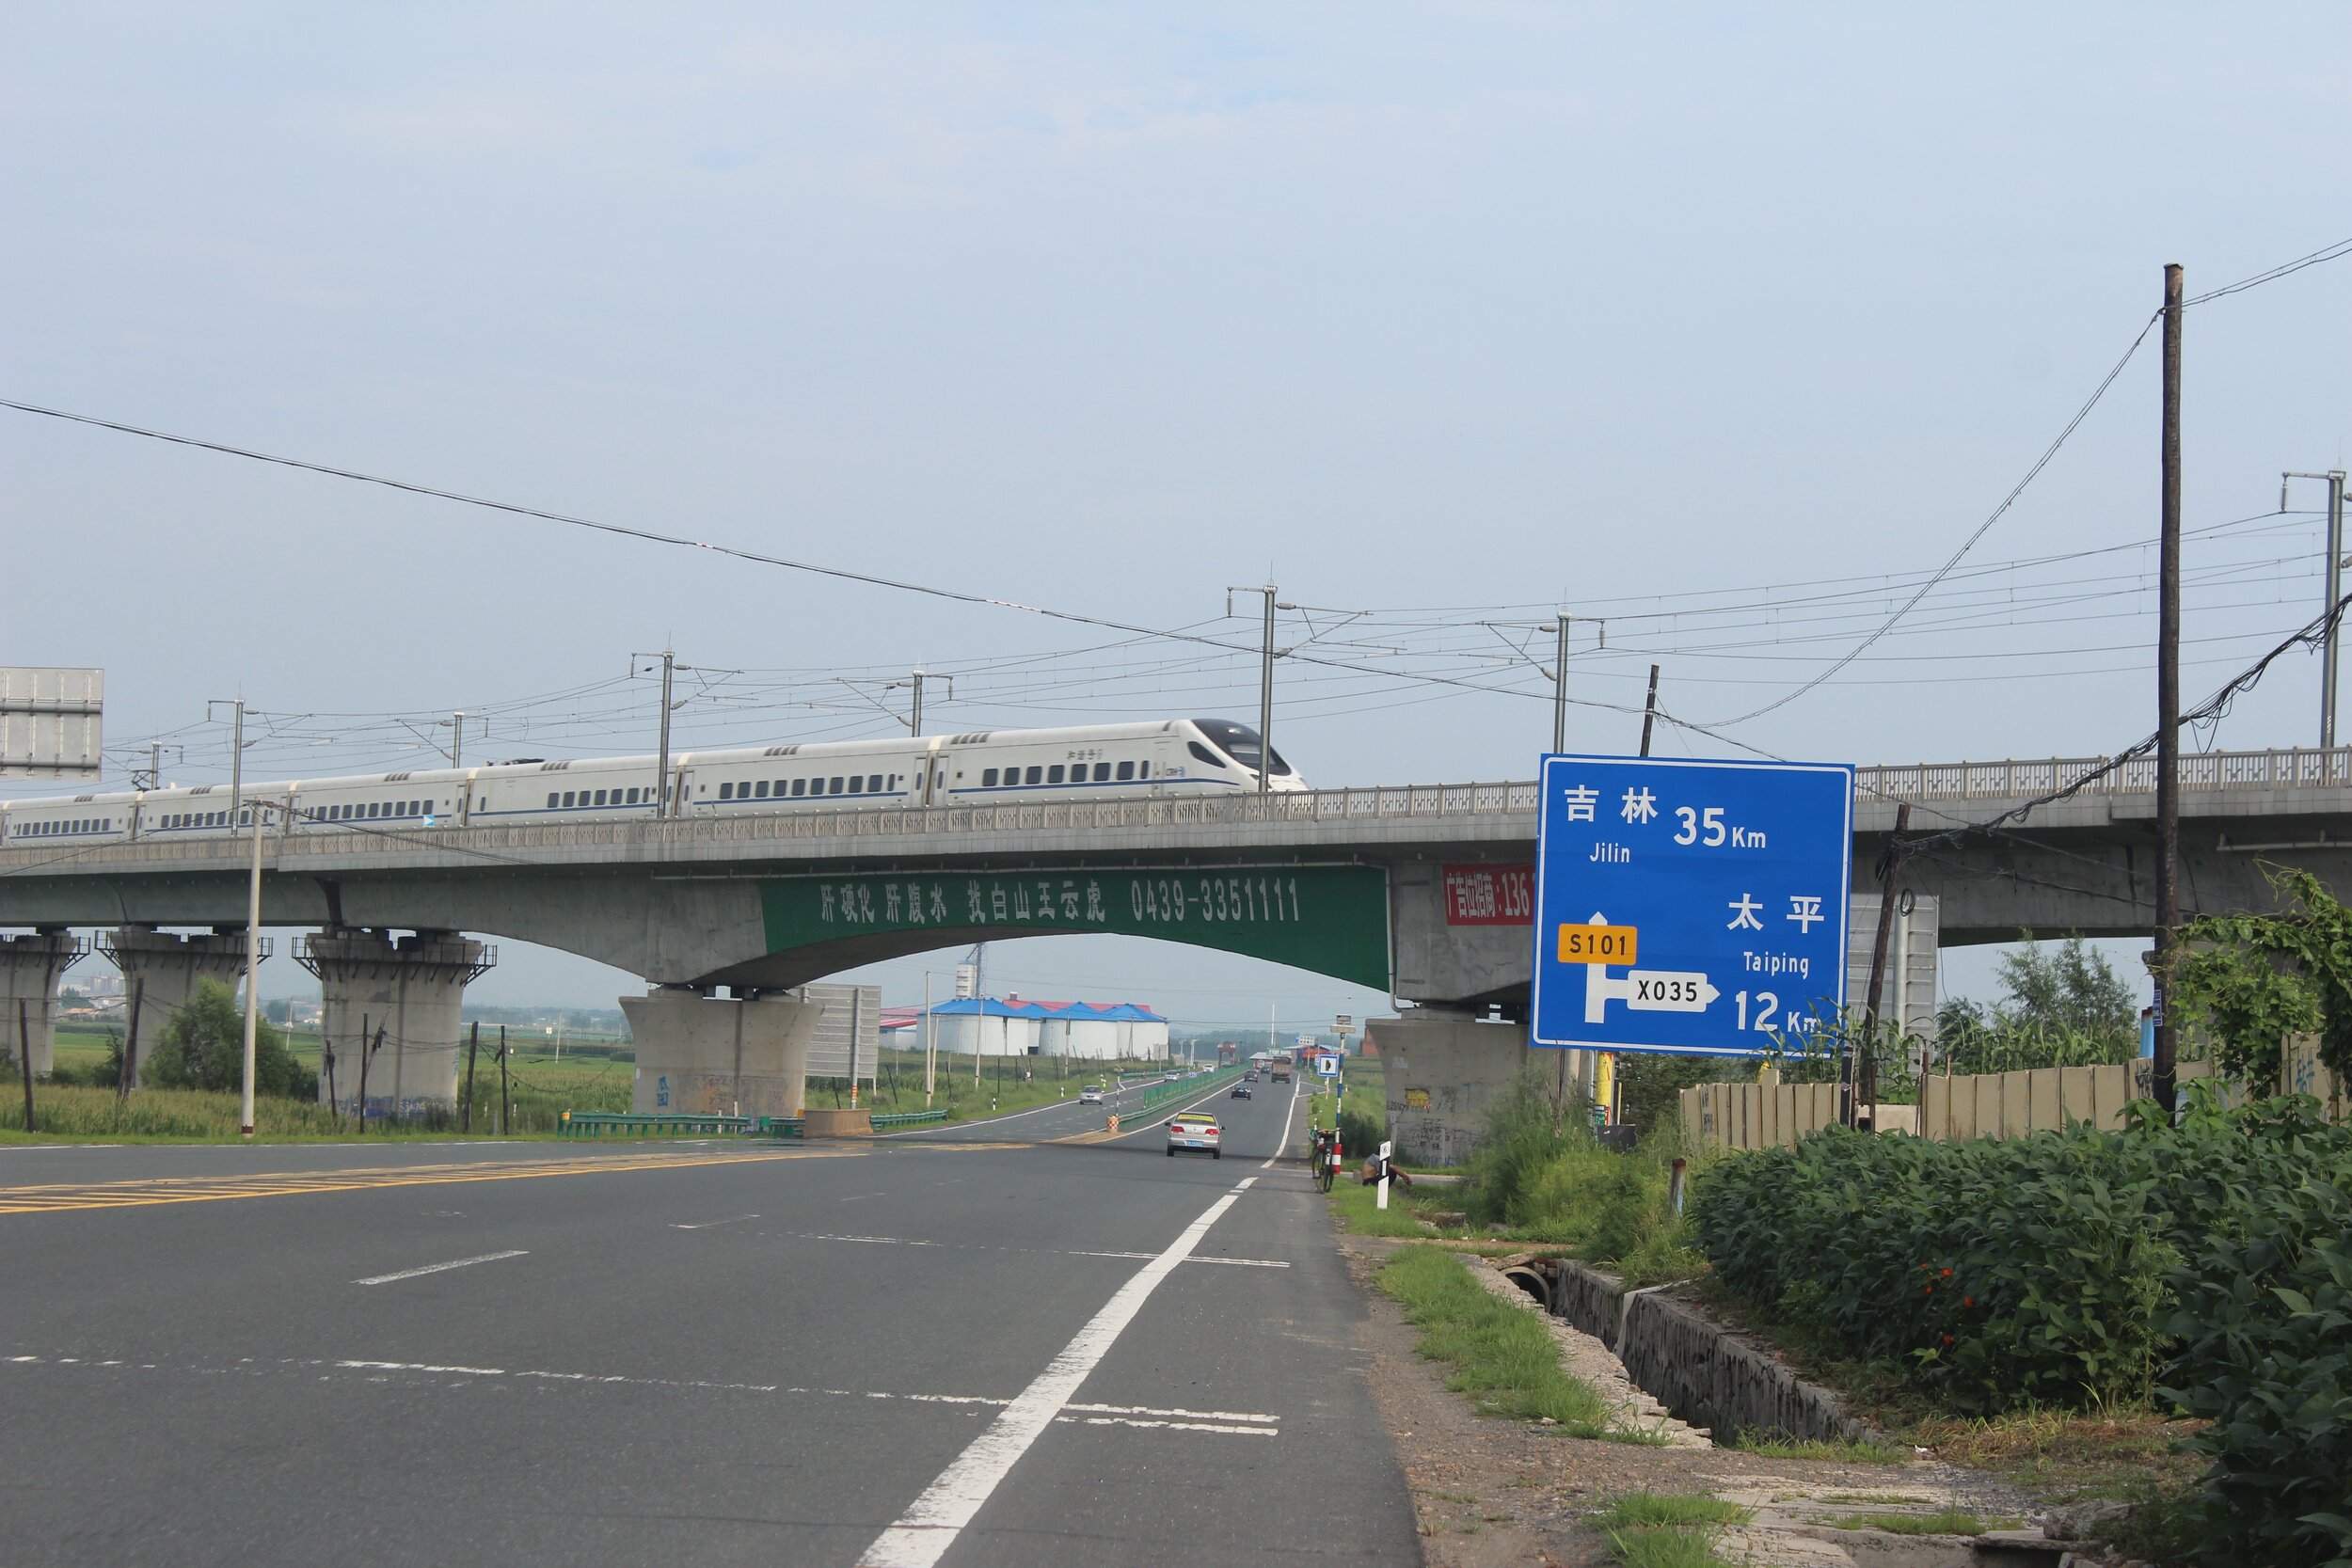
x: 1715, y: 327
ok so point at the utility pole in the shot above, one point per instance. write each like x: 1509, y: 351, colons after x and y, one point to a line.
x: 506, y: 1089
x: 930, y: 1044
x: 914, y: 721
x: 153, y: 777
x: 663, y: 804
x: 24, y: 1048
x: 252, y: 968
x: 1265, y: 682
x: 1865, y: 1081
x: 1650, y: 709
x: 1559, y: 685
x: 2335, y: 591
x: 457, y: 735
x: 474, y: 1051
x: 236, y: 756
x: 128, y: 1079
x: 2169, y: 699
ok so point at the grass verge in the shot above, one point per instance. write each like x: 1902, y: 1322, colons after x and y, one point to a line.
x: 1505, y: 1358
x: 1668, y: 1529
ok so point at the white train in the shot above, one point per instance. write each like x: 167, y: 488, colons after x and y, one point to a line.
x: 1166, y: 757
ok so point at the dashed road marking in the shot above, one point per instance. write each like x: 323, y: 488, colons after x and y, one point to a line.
x: 1243, y: 1423
x: 441, y: 1268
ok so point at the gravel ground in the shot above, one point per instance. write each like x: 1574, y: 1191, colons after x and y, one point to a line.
x: 1489, y: 1490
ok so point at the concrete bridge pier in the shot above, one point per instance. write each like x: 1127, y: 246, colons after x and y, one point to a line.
x: 741, y: 1056
x: 412, y: 991
x: 1443, y: 1069
x: 162, y: 970
x: 29, y: 969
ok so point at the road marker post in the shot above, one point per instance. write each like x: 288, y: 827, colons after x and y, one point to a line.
x: 1387, y: 1149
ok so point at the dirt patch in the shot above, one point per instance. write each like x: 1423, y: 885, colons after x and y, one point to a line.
x: 1489, y: 1491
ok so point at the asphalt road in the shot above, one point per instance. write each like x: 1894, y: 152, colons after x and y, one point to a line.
x: 972, y: 1351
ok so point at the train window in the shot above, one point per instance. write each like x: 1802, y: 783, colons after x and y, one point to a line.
x: 1052, y: 774
x: 726, y: 792
x: 1033, y: 775
x: 1102, y: 772
x: 857, y: 784
x: 569, y: 795
x: 1204, y: 753
x: 601, y: 797
x: 761, y: 791
x: 988, y: 777
x: 633, y: 797
x: 1126, y: 771
x: 835, y: 788
x: 554, y: 799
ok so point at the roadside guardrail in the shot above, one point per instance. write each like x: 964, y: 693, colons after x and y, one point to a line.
x: 600, y: 1124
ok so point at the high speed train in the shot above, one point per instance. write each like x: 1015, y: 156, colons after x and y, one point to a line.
x: 1163, y: 758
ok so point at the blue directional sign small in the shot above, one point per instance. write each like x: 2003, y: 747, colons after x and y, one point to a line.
x: 1693, y: 906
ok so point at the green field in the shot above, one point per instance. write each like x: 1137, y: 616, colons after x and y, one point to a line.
x: 537, y: 1089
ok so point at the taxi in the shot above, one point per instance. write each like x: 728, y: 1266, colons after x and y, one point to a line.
x: 1195, y: 1133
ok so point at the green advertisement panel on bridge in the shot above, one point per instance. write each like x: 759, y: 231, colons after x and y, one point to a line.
x: 1330, y: 919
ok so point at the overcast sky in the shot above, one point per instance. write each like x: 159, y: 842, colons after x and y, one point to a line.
x: 1663, y: 316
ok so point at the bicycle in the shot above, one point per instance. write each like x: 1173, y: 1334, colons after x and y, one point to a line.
x: 1326, y: 1159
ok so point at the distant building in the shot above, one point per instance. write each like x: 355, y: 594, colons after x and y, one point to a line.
x: 1090, y: 1031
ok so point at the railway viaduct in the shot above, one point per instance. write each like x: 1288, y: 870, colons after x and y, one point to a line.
x: 1419, y: 891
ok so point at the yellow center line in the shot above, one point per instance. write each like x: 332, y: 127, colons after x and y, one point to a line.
x: 161, y: 1190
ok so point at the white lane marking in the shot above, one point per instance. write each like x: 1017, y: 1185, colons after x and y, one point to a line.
x: 933, y: 1521
x: 1235, y: 1423
x: 1239, y: 1262
x: 707, y: 1225
x: 1256, y: 1418
x: 437, y: 1268
x: 1171, y: 1426
x: 1284, y: 1142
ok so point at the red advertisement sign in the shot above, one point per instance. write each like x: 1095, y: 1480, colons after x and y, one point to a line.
x: 1490, y: 895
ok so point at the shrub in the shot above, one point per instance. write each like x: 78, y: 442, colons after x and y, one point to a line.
x: 203, y: 1048
x: 2263, y: 1310
x: 2000, y: 1272
x: 2076, y: 1267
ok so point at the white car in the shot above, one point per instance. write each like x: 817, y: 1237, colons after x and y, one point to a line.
x: 1196, y: 1134
x: 1090, y: 1095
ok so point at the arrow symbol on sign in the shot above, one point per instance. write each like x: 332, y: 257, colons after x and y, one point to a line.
x: 1668, y: 991
x: 1645, y: 990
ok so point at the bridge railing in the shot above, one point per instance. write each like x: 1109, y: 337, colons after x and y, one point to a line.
x: 2296, y: 768
x: 2293, y: 768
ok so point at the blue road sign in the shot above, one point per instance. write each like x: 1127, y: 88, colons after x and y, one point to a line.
x: 1695, y: 907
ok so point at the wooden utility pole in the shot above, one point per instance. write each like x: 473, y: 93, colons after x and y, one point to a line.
x: 360, y: 1110
x: 473, y: 1048
x: 24, y: 1045
x: 1865, y: 1081
x: 2169, y: 699
x: 129, y: 1077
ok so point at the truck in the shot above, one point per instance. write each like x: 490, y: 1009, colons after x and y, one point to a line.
x: 1280, y: 1069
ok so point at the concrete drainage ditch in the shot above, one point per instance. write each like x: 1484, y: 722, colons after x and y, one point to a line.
x: 1666, y: 1369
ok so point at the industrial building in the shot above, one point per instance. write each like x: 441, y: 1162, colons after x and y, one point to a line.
x: 1013, y: 1026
